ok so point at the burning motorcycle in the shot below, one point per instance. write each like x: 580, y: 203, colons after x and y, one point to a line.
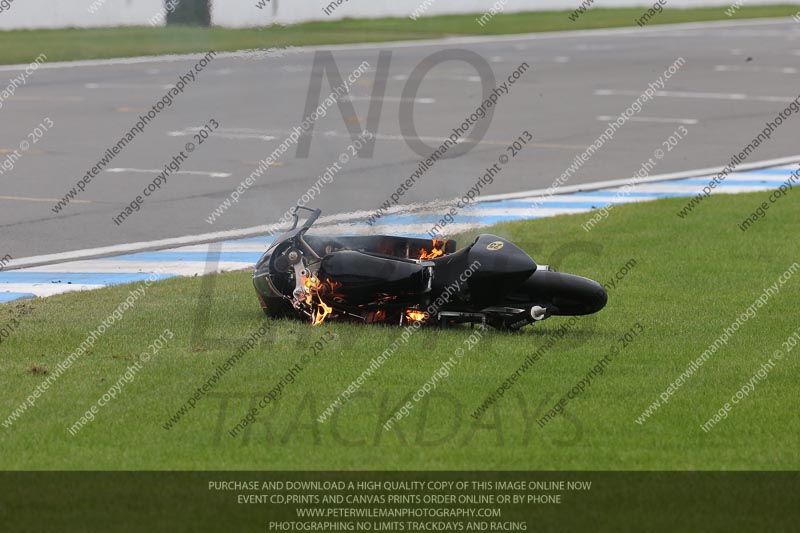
x: 403, y: 280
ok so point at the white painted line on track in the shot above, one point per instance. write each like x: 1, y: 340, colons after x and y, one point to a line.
x: 48, y: 200
x: 390, y: 99
x: 388, y: 137
x: 697, y: 189
x: 232, y: 130
x: 343, y: 218
x: 128, y: 86
x: 43, y: 290
x: 769, y: 178
x: 160, y: 170
x: 662, y: 120
x: 405, y: 77
x: 698, y: 95
x: 224, y: 135
x: 622, y: 182
x: 754, y: 68
x: 227, y: 246
x: 117, y: 266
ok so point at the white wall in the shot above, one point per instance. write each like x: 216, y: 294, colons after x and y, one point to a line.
x: 244, y: 13
x: 25, y: 14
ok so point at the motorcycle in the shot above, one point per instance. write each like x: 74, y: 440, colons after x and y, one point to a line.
x: 404, y: 280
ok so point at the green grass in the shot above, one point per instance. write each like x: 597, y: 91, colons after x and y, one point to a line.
x: 60, y: 45
x: 692, y: 279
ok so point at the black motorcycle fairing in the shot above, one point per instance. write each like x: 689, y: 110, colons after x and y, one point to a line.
x: 562, y: 294
x: 362, y: 277
x: 500, y: 257
x: 387, y: 245
x: 496, y: 267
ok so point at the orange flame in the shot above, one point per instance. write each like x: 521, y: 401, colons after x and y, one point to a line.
x: 322, y: 312
x: 435, y: 252
x: 319, y: 313
x: 414, y: 315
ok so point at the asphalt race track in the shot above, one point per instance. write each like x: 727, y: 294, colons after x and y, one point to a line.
x: 736, y: 77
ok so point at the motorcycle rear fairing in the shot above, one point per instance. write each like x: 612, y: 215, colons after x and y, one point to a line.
x: 404, y: 247
x: 362, y: 278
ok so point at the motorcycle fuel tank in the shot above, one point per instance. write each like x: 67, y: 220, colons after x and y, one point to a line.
x: 503, y: 266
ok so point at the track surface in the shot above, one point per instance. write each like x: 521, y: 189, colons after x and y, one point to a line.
x: 736, y: 77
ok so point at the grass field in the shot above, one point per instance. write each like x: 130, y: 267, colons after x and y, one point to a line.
x: 691, y: 279
x: 69, y: 44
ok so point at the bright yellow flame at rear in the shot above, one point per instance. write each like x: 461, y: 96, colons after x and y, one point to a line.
x: 414, y: 315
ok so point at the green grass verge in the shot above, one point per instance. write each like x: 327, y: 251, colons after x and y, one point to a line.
x: 72, y: 44
x: 692, y: 279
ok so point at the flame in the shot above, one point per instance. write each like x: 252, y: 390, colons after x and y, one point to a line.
x: 319, y: 313
x: 414, y: 315
x: 322, y: 312
x: 436, y: 250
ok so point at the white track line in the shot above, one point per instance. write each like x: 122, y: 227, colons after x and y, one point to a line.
x: 227, y: 246
x: 119, y: 266
x: 663, y: 177
x: 43, y: 290
x: 542, y: 201
x: 405, y: 77
x: 753, y: 68
x: 359, y: 215
x: 699, y: 95
x: 226, y: 133
x: 128, y: 86
x: 662, y: 120
x: 160, y: 170
x: 696, y: 189
x: 390, y: 99
x: 230, y: 136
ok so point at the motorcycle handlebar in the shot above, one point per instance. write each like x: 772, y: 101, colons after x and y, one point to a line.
x: 315, y: 213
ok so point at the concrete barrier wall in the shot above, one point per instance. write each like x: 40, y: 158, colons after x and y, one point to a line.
x: 244, y: 13
x: 28, y: 14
